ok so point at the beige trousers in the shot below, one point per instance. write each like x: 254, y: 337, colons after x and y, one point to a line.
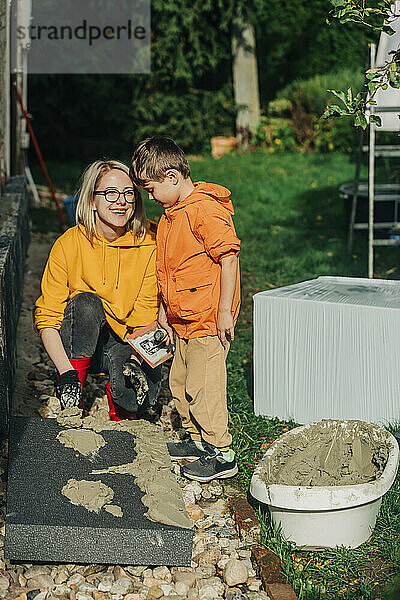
x: 198, y: 384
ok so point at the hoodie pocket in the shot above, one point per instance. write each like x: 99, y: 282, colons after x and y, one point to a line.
x: 193, y: 293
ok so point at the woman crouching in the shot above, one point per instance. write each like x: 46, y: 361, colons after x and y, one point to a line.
x: 99, y: 284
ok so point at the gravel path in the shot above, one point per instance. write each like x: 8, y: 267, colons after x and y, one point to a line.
x: 221, y: 565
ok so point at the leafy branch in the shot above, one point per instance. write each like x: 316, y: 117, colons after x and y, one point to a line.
x: 377, y: 17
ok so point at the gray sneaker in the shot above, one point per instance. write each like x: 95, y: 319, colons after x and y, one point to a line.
x: 209, y: 467
x: 184, y: 449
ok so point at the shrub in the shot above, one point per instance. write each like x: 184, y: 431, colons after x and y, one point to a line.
x: 312, y: 94
x: 276, y: 133
x: 293, y: 117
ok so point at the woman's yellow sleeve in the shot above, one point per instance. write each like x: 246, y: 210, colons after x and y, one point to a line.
x: 49, y: 307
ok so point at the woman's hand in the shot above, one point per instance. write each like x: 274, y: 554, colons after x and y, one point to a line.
x: 163, y: 322
x: 55, y: 349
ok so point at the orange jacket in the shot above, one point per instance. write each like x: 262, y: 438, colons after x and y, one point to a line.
x: 192, y: 237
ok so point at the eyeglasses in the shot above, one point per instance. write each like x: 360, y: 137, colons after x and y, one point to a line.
x: 114, y: 195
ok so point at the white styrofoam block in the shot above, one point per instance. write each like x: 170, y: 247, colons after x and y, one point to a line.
x: 328, y: 348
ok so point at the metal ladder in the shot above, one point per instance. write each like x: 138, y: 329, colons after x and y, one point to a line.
x: 376, y: 192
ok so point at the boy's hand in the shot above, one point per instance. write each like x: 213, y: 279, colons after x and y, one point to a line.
x: 163, y: 322
x: 135, y: 356
x: 225, y: 327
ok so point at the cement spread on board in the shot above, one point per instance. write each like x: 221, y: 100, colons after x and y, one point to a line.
x: 81, y: 440
x: 151, y: 469
x: 328, y: 453
x: 114, y: 510
x: 93, y: 495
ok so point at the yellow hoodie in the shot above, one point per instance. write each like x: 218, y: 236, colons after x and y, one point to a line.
x: 122, y: 273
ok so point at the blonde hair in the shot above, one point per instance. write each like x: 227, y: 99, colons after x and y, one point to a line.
x: 85, y: 211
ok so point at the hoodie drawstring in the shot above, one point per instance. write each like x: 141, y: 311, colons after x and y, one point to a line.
x: 103, y: 267
x: 118, y: 267
x: 103, y: 270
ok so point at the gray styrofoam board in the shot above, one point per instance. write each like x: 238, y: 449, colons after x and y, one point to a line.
x: 42, y: 525
x: 378, y: 293
x: 316, y: 358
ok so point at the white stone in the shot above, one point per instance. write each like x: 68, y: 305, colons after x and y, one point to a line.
x: 261, y: 595
x: 194, y: 487
x: 199, y: 546
x: 137, y: 571
x: 211, y: 539
x: 82, y: 596
x: 246, y: 561
x: 60, y: 590
x: 166, y: 588
x: 224, y: 542
x: 87, y: 588
x: 36, y: 570
x: 208, y: 591
x: 105, y: 586
x: 41, y: 596
x: 186, y: 577
x: 214, y: 582
x: 235, y: 572
x: 41, y: 581
x: 182, y: 588
x: 215, y: 488
x: 76, y: 579
x: 147, y: 573
x: 4, y: 583
x: 122, y: 586
x: 162, y: 573
x: 254, y: 584
x: 222, y: 562
x: 188, y: 496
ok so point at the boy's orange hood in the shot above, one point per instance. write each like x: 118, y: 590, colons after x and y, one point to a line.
x: 212, y: 190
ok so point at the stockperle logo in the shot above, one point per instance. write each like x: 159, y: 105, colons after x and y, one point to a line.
x: 81, y: 36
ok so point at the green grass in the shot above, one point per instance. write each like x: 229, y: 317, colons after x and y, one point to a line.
x: 292, y: 225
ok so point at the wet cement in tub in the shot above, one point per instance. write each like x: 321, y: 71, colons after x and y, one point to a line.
x: 327, y: 453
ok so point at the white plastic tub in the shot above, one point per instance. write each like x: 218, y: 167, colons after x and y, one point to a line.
x: 326, y: 516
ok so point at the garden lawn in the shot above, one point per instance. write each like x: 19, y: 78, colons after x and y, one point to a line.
x: 292, y: 226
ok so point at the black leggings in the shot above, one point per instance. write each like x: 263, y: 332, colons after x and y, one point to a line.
x: 85, y: 333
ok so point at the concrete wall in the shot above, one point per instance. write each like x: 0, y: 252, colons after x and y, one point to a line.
x: 4, y: 92
x: 14, y: 242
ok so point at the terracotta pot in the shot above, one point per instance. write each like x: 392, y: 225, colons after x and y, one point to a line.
x: 221, y: 145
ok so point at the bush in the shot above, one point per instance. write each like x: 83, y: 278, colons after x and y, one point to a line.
x: 312, y: 94
x: 294, y: 116
x: 276, y: 133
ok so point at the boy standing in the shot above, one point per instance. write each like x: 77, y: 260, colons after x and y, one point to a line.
x: 198, y: 276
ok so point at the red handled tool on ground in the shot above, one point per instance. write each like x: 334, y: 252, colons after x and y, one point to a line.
x: 40, y: 157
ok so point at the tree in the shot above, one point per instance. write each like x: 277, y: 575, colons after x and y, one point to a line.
x: 377, y: 16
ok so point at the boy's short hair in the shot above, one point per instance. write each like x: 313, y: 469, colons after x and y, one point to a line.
x: 154, y: 156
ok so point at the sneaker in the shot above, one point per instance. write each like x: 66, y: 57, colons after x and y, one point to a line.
x: 209, y: 467
x: 185, y: 449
